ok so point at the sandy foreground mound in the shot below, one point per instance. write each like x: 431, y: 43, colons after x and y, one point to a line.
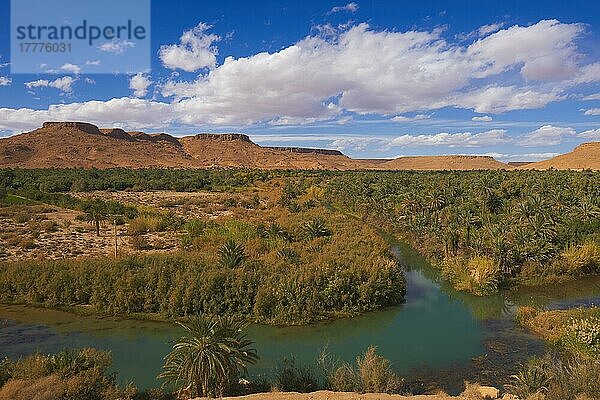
x: 475, y: 392
x: 328, y: 395
x: 584, y: 156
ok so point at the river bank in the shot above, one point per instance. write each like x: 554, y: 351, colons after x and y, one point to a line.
x: 473, y: 392
x: 436, y: 339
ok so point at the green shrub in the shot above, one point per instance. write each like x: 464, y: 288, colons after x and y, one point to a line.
x: 232, y: 254
x: 584, y: 334
x: 49, y: 226
x: 22, y: 218
x: 375, y: 373
x: 140, y: 243
x: 582, y: 259
x: 232, y: 268
x: 194, y: 228
x: 288, y: 377
x: 289, y: 255
x: 316, y: 228
x: 372, y: 374
x: 533, y: 378
x: 344, y: 379
x: 68, y: 375
x: 143, y: 224
x: 6, y: 366
x: 551, y: 378
x: 477, y: 275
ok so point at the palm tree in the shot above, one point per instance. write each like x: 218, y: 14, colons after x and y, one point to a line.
x: 95, y: 213
x: 212, y: 354
x: 451, y: 240
x: 274, y: 231
x: 587, y: 210
x: 468, y: 219
x: 316, y: 228
x: 232, y: 254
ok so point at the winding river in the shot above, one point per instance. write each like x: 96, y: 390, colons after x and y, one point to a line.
x: 437, y: 338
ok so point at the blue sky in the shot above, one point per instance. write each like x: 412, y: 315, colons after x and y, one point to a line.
x: 517, y: 80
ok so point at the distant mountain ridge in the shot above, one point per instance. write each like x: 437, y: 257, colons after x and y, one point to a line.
x: 83, y: 145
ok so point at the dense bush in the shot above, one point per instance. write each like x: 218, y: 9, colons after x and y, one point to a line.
x: 478, y: 275
x: 68, y: 375
x: 290, y: 377
x: 534, y: 225
x: 270, y: 266
x: 371, y: 373
x: 175, y: 285
x: 550, y: 378
x: 54, y: 180
x: 574, y: 330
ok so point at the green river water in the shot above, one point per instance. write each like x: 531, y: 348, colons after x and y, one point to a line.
x: 436, y: 339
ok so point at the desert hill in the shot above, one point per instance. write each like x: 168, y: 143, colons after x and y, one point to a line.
x: 237, y: 150
x: 430, y: 163
x: 79, y: 144
x: 584, y: 156
x: 83, y: 145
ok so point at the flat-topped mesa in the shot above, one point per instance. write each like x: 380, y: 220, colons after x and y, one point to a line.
x: 82, y: 126
x: 306, y: 150
x: 223, y: 137
x: 465, y: 157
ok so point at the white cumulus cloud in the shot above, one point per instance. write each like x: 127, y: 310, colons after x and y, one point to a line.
x: 73, y: 68
x: 350, y: 7
x: 360, y: 70
x: 467, y: 139
x: 483, y: 118
x: 592, y: 111
x: 544, y: 51
x: 116, y: 46
x: 418, y: 117
x: 139, y: 83
x: 547, y: 135
x: 366, y: 71
x: 595, y: 96
x: 64, y: 84
x: 128, y: 113
x: 491, y: 28
x: 5, y: 81
x: 590, y: 134
x: 194, y: 51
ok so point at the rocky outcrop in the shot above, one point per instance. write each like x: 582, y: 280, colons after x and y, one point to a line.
x: 82, y: 126
x: 117, y: 133
x: 223, y: 137
x: 155, y: 137
x: 305, y: 150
